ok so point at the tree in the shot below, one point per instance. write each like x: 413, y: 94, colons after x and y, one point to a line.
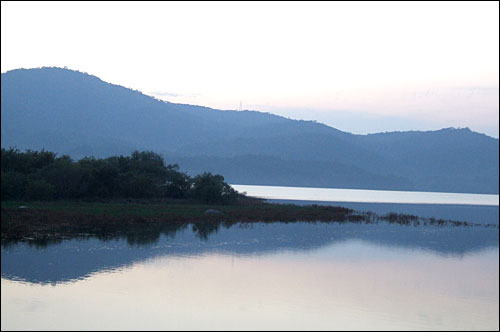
x: 39, y: 190
x: 42, y: 175
x: 13, y: 185
x: 212, y: 189
x: 177, y: 184
x: 64, y: 175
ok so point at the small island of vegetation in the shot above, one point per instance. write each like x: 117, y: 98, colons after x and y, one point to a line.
x: 46, y: 196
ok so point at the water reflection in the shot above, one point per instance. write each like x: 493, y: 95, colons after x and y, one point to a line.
x: 481, y: 214
x: 55, y: 261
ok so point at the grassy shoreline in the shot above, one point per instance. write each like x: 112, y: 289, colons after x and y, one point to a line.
x: 67, y: 219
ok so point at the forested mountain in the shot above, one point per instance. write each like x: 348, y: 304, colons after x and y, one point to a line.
x: 78, y: 114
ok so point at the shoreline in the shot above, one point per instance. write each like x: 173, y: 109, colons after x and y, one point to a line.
x: 67, y: 219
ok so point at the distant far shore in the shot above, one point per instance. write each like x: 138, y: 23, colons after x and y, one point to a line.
x: 34, y: 220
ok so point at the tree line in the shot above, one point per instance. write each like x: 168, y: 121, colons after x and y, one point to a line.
x: 42, y: 175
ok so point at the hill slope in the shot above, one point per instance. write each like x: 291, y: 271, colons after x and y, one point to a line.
x: 78, y: 114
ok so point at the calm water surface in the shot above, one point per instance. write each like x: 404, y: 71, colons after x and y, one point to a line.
x: 260, y: 276
x: 475, y: 208
x: 367, y: 196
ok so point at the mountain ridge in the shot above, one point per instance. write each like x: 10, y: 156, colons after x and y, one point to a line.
x: 75, y: 113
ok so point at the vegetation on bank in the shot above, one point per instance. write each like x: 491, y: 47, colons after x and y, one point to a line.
x: 44, y: 195
x: 42, y: 175
x: 142, y: 221
x: 68, y: 219
x: 50, y: 197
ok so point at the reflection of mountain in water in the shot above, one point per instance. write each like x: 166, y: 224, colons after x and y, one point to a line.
x: 75, y: 259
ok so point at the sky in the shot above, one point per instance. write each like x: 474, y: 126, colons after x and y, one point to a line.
x: 361, y: 67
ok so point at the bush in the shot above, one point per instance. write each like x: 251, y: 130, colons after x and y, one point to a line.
x: 39, y: 190
x: 64, y: 175
x: 42, y: 175
x: 212, y: 189
x: 178, y: 184
x: 13, y: 185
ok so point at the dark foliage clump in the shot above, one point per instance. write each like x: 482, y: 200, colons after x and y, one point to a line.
x: 42, y: 175
x: 212, y: 189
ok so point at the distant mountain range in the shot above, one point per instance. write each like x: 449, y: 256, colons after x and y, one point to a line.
x: 74, y: 113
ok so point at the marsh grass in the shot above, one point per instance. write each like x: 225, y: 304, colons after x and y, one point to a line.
x: 111, y: 209
x: 147, y: 219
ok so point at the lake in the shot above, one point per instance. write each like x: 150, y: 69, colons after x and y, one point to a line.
x: 324, y: 276
x: 366, y: 196
x: 478, y: 208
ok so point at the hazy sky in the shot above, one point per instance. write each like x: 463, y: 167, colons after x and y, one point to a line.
x: 359, y: 67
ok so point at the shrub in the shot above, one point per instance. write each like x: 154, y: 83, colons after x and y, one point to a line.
x: 39, y: 190
x: 212, y: 189
x: 13, y: 185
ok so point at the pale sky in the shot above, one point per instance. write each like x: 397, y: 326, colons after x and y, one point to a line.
x: 359, y: 67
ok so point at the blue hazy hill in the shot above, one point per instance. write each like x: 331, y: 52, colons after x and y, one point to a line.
x: 74, y: 113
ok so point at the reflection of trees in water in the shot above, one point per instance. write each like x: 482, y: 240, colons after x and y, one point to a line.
x: 149, y: 233
x: 135, y: 236
x: 70, y: 260
x: 39, y: 243
x: 203, y: 230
